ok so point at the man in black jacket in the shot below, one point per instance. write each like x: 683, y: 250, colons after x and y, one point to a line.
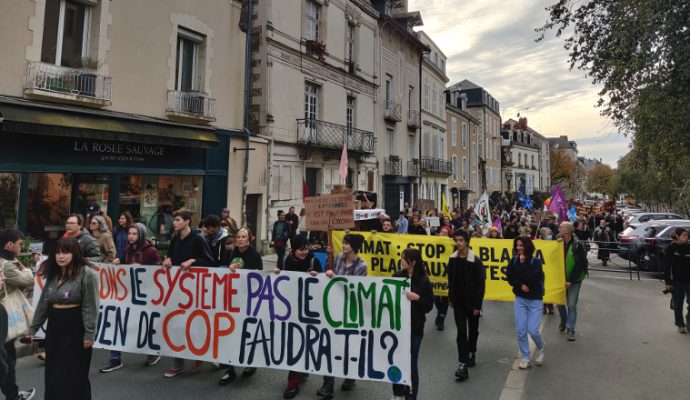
x: 187, y: 249
x: 466, y: 283
x: 677, y: 275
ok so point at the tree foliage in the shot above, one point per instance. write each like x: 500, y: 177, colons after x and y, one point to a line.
x: 565, y: 172
x: 599, y: 179
x: 638, y: 51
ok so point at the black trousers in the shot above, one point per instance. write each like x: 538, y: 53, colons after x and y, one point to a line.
x: 7, y: 360
x: 468, y: 332
x: 9, y: 384
x: 68, y: 362
x: 441, y: 303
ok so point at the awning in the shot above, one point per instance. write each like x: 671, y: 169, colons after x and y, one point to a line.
x: 30, y: 117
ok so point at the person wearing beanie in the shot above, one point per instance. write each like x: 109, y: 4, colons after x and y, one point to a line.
x: 300, y: 259
x: 346, y: 263
x: 139, y: 251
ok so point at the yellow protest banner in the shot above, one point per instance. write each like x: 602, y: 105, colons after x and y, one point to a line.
x: 381, y: 251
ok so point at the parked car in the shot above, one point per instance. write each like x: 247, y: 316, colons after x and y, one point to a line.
x: 631, y: 242
x: 636, y: 219
x: 655, y: 246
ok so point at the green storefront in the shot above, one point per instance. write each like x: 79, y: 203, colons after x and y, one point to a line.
x: 58, y: 159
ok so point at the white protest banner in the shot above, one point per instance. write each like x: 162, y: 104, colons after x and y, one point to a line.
x: 345, y: 326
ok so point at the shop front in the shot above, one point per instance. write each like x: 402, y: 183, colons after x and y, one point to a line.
x: 60, y: 160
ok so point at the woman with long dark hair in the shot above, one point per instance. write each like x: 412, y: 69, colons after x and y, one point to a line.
x: 421, y: 295
x: 69, y: 301
x: 526, y: 276
x: 120, y: 234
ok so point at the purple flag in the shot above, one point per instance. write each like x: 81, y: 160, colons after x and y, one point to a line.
x: 497, y: 223
x: 559, y: 205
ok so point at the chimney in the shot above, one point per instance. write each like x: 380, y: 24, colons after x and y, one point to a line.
x: 522, y: 123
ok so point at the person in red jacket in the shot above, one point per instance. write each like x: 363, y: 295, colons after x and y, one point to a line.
x: 138, y: 252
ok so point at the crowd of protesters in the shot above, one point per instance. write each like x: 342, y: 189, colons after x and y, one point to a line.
x: 70, y: 305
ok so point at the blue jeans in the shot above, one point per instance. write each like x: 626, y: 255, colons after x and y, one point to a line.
x: 569, y: 315
x: 681, y: 292
x: 411, y: 393
x: 527, y: 319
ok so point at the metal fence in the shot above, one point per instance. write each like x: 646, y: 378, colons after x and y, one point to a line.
x: 331, y: 136
x: 73, y: 81
x: 192, y: 103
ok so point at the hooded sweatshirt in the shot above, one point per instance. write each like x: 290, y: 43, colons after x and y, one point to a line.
x: 142, y: 252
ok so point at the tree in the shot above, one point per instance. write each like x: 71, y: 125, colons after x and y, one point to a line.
x: 562, y: 168
x: 599, y: 179
x: 638, y: 52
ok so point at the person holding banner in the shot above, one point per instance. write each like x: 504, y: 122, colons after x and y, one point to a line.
x: 466, y: 284
x: 14, y: 277
x: 526, y: 276
x: 300, y: 259
x: 70, y: 303
x: 243, y: 256
x: 575, y: 273
x: 346, y: 263
x: 421, y: 296
x: 138, y: 252
x: 187, y: 248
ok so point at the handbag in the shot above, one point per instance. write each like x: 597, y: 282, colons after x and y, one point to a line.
x: 279, y: 244
x: 19, y: 314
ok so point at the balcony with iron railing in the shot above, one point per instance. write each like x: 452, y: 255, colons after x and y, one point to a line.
x: 392, y: 112
x: 436, y: 166
x: 67, y: 85
x: 327, y: 135
x: 187, y: 105
x: 393, y: 166
x: 413, y: 167
x: 413, y: 119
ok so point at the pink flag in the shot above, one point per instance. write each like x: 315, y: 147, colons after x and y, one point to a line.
x: 559, y: 205
x: 343, y: 162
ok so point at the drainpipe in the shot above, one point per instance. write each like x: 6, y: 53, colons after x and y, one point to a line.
x: 421, y: 84
x: 247, y: 101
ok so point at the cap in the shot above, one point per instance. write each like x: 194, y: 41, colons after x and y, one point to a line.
x: 93, y: 209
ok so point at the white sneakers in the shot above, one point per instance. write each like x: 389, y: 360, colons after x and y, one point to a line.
x: 539, y: 358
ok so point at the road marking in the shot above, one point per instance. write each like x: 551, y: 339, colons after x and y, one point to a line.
x: 514, y: 387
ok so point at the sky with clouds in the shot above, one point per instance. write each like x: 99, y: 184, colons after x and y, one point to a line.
x: 492, y: 43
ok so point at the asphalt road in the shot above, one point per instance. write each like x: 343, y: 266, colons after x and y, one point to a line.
x: 627, y: 348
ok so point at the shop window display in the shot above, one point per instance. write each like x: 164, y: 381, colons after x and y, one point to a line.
x: 153, y: 199
x: 48, y: 203
x: 9, y: 196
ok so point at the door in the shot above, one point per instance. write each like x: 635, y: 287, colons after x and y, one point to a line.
x: 392, y: 199
x: 310, y: 178
x: 253, y: 201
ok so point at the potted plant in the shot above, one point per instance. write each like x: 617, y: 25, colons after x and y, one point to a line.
x: 317, y: 48
x: 86, y: 79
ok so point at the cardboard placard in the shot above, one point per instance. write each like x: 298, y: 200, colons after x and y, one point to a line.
x: 425, y: 205
x: 329, y: 211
